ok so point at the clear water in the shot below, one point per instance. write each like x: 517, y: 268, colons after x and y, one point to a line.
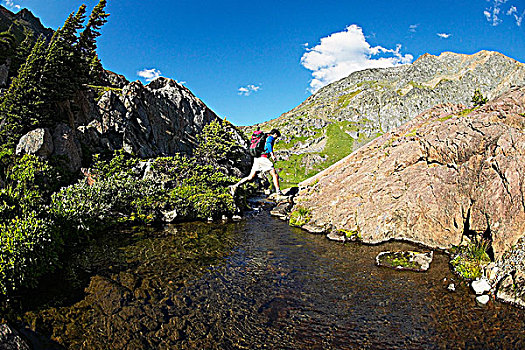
x: 258, y: 284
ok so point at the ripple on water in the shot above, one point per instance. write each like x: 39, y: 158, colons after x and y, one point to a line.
x: 262, y: 284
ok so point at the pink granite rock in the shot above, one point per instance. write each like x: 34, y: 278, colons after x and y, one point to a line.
x: 429, y: 180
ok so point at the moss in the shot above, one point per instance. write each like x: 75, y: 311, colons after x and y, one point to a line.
x: 418, y: 85
x: 412, y: 133
x: 447, y: 117
x: 344, y: 100
x: 101, y: 90
x: 300, y: 217
x: 400, y: 260
x: 465, y: 112
x: 353, y: 235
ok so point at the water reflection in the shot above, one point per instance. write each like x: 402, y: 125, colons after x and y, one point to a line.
x: 262, y: 284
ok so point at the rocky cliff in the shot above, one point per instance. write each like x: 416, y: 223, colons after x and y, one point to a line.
x: 447, y: 173
x: 349, y: 113
x: 159, y: 119
x: 22, y: 21
x: 19, y: 23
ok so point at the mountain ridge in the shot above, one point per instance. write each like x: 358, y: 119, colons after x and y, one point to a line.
x: 368, y: 103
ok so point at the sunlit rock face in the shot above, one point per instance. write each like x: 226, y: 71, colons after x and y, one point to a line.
x: 446, y: 172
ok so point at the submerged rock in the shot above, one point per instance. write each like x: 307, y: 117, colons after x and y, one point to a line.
x: 512, y: 289
x: 405, y: 260
x: 282, y: 210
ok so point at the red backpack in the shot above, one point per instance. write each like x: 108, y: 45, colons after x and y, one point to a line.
x: 257, y: 143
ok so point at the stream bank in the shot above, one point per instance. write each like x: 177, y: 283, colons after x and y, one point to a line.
x: 256, y: 284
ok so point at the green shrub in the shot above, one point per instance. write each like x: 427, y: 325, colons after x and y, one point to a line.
x: 29, y: 248
x: 468, y: 260
x: 300, y: 217
x: 173, y: 183
x: 217, y: 144
x: 29, y: 182
x: 121, y: 163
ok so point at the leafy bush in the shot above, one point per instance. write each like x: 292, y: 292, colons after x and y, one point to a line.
x: 28, y: 185
x: 468, y: 260
x: 217, y: 144
x: 171, y: 183
x: 120, y: 164
x: 29, y: 248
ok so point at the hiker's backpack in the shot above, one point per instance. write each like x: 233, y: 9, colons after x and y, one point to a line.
x: 257, y: 143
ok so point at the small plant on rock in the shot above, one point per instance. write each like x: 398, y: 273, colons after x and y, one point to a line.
x: 300, y: 217
x: 478, y: 99
x: 469, y: 260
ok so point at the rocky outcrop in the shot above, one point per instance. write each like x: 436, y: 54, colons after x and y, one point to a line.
x: 443, y: 174
x: 159, y: 119
x: 371, y: 102
x: 38, y: 142
x: 21, y: 21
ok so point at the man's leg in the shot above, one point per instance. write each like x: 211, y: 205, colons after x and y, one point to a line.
x: 275, y: 180
x: 250, y: 177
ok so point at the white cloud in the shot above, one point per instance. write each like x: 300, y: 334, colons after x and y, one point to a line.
x: 342, y: 53
x: 11, y: 4
x: 444, y: 35
x: 413, y: 27
x: 149, y: 74
x: 492, y: 13
x: 513, y: 11
x: 248, y: 89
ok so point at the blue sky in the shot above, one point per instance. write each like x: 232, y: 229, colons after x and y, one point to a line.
x: 251, y: 61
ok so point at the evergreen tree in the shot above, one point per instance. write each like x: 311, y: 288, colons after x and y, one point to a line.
x: 88, y: 43
x: 61, y: 74
x: 21, y: 105
x: 7, y: 45
x: 21, y: 53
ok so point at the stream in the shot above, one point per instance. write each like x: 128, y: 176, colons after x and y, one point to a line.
x: 256, y: 284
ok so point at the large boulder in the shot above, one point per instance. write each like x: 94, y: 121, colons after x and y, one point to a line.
x: 66, y: 146
x: 36, y: 142
x: 445, y: 173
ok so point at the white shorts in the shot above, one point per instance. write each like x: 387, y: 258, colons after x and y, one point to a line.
x: 262, y: 164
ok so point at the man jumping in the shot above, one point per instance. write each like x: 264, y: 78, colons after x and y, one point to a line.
x: 263, y: 164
